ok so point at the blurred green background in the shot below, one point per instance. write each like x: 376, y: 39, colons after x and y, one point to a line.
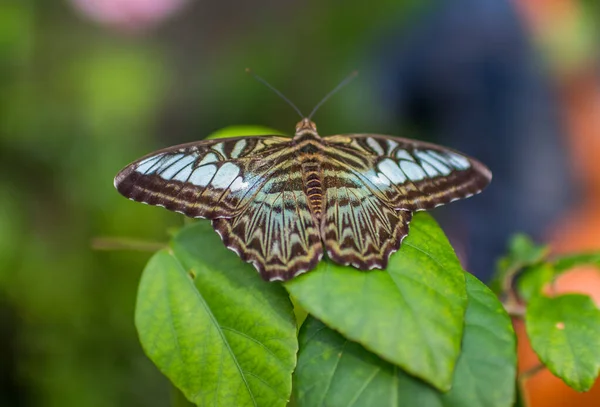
x: 79, y: 99
x: 87, y: 87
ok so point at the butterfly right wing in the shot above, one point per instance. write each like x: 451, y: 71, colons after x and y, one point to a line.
x: 206, y: 179
x: 373, y: 184
x: 407, y: 174
x: 359, y: 228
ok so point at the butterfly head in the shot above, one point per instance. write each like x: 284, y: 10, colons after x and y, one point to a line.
x: 306, y: 125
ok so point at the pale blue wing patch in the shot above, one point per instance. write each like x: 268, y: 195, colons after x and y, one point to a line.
x: 202, y: 176
x: 225, y: 176
x: 391, y: 171
x: 179, y: 170
x: 413, y: 171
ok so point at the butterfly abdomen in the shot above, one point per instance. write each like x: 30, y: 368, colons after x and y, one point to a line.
x: 309, y: 151
x: 312, y: 178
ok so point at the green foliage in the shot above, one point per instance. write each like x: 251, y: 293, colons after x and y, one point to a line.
x: 220, y: 333
x: 565, y: 333
x: 522, y: 252
x: 333, y: 371
x: 78, y: 101
x: 234, y: 131
x: 567, y: 262
x: 564, y: 330
x: 418, y: 302
x: 534, y: 279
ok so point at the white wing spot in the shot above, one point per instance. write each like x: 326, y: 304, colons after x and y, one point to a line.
x: 412, y: 170
x: 239, y: 184
x: 176, y: 171
x: 219, y: 149
x: 167, y: 163
x: 404, y: 155
x: 238, y: 148
x: 391, y: 170
x: 208, y: 159
x: 225, y: 176
x: 378, y: 179
x: 435, y: 159
x: 145, y: 165
x: 375, y: 146
x: 458, y: 161
x: 429, y: 169
x: 202, y: 175
x: 391, y: 145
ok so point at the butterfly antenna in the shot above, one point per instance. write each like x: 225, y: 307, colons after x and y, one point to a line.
x: 343, y: 83
x: 281, y: 95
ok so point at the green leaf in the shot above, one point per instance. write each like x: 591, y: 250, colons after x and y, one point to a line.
x: 522, y: 252
x: 525, y: 251
x: 410, y: 314
x: 564, y: 263
x: 178, y: 399
x: 533, y: 279
x: 222, y: 335
x: 565, y: 333
x: 333, y: 371
x: 247, y: 130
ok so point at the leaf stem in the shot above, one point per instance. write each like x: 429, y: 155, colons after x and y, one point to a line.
x: 125, y: 243
x: 529, y: 373
x: 522, y: 379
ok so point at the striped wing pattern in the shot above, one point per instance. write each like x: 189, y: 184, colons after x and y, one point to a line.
x: 374, y: 183
x: 276, y: 231
x: 280, y: 203
x: 408, y: 175
x: 359, y: 228
x: 250, y: 187
x: 209, y: 179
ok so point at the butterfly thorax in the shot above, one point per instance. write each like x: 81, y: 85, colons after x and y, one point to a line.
x: 308, y: 146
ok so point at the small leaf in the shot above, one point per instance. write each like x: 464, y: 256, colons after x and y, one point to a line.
x: 565, y: 333
x: 333, y: 371
x: 533, y: 279
x: 410, y: 314
x: 248, y: 130
x: 564, y: 263
x: 522, y: 252
x: 227, y: 338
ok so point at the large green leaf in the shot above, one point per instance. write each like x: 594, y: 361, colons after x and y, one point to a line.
x: 410, y: 314
x: 332, y: 371
x: 565, y: 333
x: 222, y: 335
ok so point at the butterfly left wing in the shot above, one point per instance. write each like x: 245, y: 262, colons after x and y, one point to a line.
x: 250, y: 187
x: 206, y: 179
x: 407, y: 174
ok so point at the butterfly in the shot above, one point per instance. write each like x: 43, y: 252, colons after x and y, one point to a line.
x: 281, y: 203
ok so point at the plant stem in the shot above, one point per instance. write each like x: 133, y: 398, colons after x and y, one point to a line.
x: 124, y: 243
